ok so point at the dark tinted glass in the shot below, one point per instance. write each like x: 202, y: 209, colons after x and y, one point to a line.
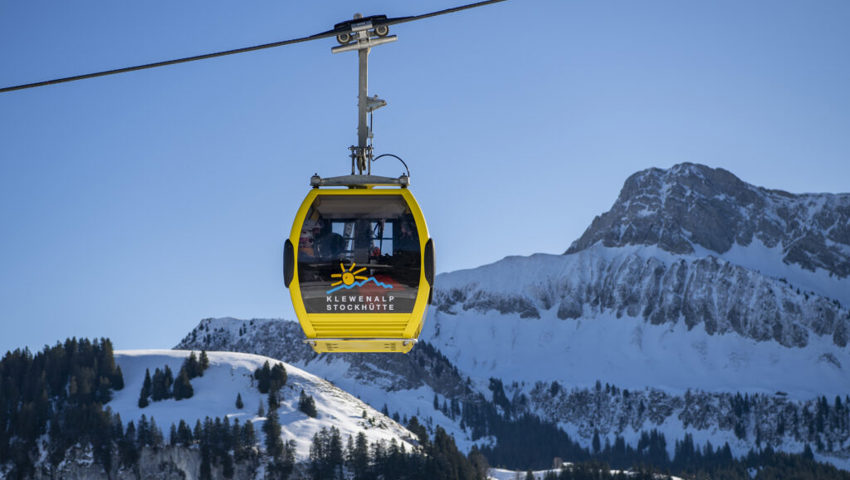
x: 359, y: 254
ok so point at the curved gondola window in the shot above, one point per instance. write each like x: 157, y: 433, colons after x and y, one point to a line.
x: 359, y: 254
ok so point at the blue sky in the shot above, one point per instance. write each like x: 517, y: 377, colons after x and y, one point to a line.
x: 132, y: 206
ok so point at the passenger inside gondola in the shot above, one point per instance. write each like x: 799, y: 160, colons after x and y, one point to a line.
x: 328, y: 244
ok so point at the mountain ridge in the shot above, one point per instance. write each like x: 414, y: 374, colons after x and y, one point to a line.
x: 691, y: 204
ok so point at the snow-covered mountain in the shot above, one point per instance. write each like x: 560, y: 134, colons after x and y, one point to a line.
x: 694, y: 288
x: 231, y: 374
x: 691, y: 207
x: 684, y: 279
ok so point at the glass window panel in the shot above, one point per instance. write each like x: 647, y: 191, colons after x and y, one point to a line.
x: 359, y: 254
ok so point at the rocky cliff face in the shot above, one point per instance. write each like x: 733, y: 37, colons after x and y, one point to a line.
x: 694, y: 205
x: 709, y: 292
x: 166, y: 463
x: 664, y: 253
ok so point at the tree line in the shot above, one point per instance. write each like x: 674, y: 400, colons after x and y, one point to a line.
x: 357, y: 459
x: 59, y: 391
x: 526, y: 441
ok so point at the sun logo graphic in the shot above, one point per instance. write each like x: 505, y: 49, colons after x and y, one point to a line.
x: 349, y: 278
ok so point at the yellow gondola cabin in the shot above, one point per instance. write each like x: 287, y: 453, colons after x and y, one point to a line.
x: 359, y: 265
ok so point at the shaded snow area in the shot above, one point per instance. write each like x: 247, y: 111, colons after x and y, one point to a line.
x: 641, y: 317
x: 230, y: 374
x: 769, y: 261
x: 630, y: 353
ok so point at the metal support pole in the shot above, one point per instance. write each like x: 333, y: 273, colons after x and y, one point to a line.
x: 361, y: 38
x: 362, y: 127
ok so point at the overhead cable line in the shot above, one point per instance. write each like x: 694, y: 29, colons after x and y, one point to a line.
x: 340, y: 28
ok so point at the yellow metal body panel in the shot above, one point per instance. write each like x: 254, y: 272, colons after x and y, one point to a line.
x: 347, y: 332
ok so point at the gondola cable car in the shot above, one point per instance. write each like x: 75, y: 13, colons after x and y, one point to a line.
x: 359, y: 262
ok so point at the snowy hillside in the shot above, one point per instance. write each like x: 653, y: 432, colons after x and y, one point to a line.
x: 406, y: 384
x: 230, y: 374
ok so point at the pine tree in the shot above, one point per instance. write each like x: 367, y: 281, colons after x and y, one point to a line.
x: 118, y: 379
x: 103, y: 390
x: 271, y: 428
x: 263, y: 377
x: 479, y: 463
x: 349, y: 450
x: 158, y: 391
x: 283, y: 466
x: 182, y: 386
x: 203, y: 363
x: 277, y: 377
x: 227, y: 466
x: 198, y: 431
x: 191, y: 366
x: 156, y: 439
x: 274, y: 400
x: 146, y: 390
x: 418, y: 429
x: 307, y: 405
x: 128, y: 452
x: 335, y: 457
x: 239, y: 403
x: 360, y: 457
x: 168, y: 381
x: 143, y: 434
x: 247, y: 436
x: 235, y: 435
x: 184, y: 434
x: 206, y: 467
x: 319, y: 455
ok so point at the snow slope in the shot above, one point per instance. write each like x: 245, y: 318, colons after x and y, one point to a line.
x: 230, y: 374
x: 631, y: 353
x: 406, y: 384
